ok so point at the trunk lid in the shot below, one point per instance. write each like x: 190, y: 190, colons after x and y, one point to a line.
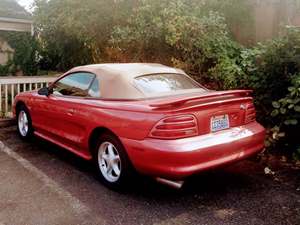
x: 211, y: 108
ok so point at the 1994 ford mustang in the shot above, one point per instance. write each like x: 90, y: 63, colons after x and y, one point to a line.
x: 148, y: 118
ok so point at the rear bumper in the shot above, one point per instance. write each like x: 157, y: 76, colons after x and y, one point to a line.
x: 177, y: 159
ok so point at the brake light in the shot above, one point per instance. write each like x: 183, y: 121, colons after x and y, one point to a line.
x: 250, y: 114
x: 175, y: 127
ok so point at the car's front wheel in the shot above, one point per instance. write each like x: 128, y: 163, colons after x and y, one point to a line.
x: 112, y: 162
x: 24, y: 124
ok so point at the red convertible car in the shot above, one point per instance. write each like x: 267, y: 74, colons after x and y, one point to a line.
x: 148, y: 118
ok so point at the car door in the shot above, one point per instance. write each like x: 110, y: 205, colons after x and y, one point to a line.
x: 64, y: 114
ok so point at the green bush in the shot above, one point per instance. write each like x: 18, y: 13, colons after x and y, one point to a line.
x: 25, y: 55
x: 177, y: 33
x: 188, y: 33
x: 76, y: 32
x: 287, y: 109
x: 286, y: 114
x: 191, y: 34
x: 272, y: 70
x: 5, y: 69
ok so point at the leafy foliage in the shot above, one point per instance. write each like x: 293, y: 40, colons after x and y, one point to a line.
x: 177, y: 33
x: 272, y: 70
x: 76, y: 32
x: 25, y: 55
x: 287, y: 109
x: 5, y: 69
x: 238, y: 15
x: 286, y: 114
x: 195, y: 35
x: 180, y: 32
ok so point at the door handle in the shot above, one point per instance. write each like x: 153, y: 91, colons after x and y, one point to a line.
x: 71, y: 112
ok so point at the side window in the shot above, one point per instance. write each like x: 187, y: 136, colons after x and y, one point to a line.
x: 94, y: 89
x: 76, y: 84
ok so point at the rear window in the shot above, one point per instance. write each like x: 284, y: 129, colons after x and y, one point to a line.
x: 159, y: 83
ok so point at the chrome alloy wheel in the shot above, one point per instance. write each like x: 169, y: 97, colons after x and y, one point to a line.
x: 109, y: 162
x: 23, y: 123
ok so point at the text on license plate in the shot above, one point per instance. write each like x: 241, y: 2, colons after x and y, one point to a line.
x: 219, y: 123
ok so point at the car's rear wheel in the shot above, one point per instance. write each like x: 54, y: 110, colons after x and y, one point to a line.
x: 24, y: 124
x: 112, y: 162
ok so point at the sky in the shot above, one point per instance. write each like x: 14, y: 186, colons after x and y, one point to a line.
x: 25, y: 3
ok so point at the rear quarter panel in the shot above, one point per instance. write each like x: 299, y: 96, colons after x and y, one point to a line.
x: 124, y: 123
x: 125, y: 120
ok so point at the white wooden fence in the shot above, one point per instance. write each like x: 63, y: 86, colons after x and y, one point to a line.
x: 11, y: 86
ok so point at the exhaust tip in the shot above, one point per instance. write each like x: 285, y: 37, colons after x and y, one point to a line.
x: 170, y: 183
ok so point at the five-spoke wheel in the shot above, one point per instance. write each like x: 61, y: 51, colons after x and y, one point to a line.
x: 109, y: 161
x: 112, y: 162
x: 24, y: 122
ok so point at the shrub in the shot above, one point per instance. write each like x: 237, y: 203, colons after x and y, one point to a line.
x: 272, y: 70
x: 25, y: 55
x: 177, y: 33
x: 76, y: 32
x: 5, y: 69
x: 287, y: 109
x: 191, y: 34
x: 286, y: 114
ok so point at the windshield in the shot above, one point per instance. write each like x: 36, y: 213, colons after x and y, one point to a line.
x: 160, y: 83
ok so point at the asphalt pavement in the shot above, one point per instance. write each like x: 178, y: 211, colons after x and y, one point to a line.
x: 41, y: 183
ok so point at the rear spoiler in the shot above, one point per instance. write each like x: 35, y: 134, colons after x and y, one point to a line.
x: 183, y: 100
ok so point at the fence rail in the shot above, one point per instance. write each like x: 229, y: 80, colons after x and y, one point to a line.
x: 11, y: 86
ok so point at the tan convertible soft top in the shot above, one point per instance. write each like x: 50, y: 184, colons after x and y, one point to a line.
x: 117, y: 79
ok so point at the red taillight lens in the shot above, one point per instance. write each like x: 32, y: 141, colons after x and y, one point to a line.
x: 250, y: 114
x: 175, y: 127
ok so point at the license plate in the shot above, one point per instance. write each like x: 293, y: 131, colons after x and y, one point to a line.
x: 219, y: 123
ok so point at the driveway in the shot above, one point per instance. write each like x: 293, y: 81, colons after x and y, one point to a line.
x: 69, y: 192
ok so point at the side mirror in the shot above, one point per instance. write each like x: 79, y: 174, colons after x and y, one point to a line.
x: 44, y: 91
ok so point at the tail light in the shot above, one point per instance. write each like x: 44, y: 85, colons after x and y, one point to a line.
x: 250, y: 114
x: 175, y: 127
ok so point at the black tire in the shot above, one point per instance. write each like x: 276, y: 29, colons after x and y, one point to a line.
x: 126, y: 169
x: 29, y: 133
